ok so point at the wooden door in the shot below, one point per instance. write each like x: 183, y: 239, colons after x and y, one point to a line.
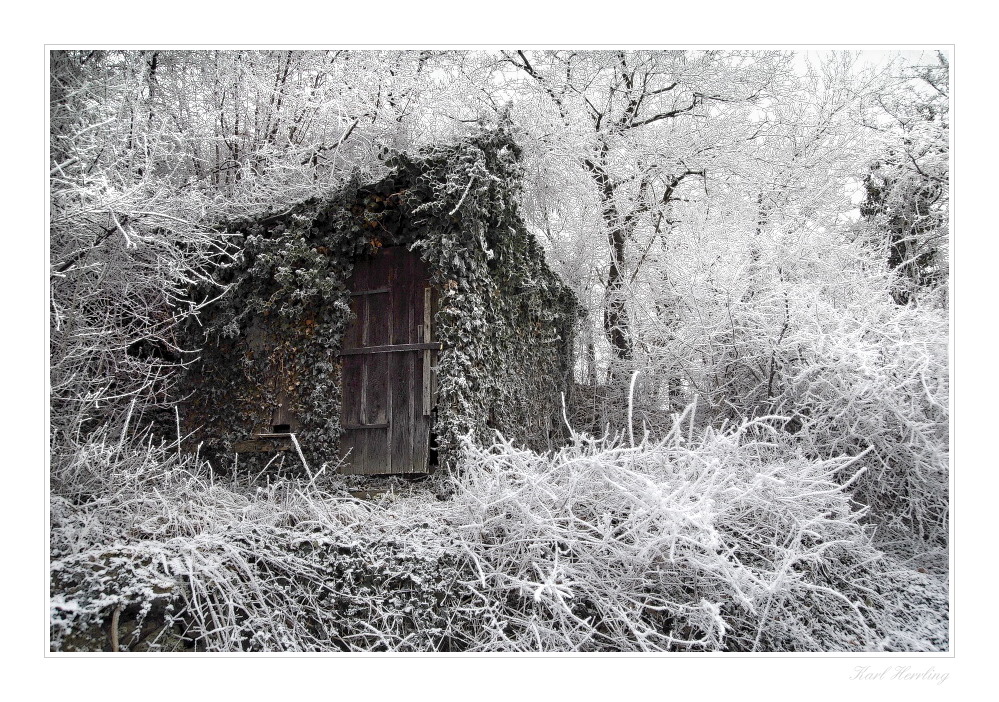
x: 387, y: 363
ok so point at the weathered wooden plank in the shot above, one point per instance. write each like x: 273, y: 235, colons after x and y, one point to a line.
x: 378, y: 330
x: 353, y: 394
x: 389, y: 348
x: 376, y: 291
x: 263, y: 445
x: 434, y: 306
x: 375, y: 457
x: 361, y: 455
x: 426, y: 383
x: 421, y: 424
x: 402, y: 372
x: 376, y: 381
x: 402, y: 303
x: 360, y: 277
x: 352, y: 335
x: 349, y: 450
x: 352, y: 371
x: 358, y: 280
x: 427, y: 331
x: 376, y: 389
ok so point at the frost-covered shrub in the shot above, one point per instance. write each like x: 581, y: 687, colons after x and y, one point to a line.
x: 717, y: 544
x: 852, y: 372
x: 174, y: 560
x: 718, y: 541
x: 875, y: 380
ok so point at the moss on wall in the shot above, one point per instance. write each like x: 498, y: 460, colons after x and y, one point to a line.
x: 505, y: 319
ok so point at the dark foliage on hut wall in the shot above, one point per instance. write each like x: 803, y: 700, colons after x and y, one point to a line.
x: 505, y: 319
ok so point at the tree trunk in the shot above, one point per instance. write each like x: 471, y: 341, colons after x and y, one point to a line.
x: 617, y: 324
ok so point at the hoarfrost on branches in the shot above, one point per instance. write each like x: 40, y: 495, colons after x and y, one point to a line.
x: 760, y: 244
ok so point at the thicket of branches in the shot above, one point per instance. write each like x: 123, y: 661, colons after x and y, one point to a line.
x: 762, y: 247
x: 701, y: 541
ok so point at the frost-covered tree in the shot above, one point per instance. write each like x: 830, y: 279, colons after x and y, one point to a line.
x: 642, y: 127
x: 908, y: 187
x: 777, y: 223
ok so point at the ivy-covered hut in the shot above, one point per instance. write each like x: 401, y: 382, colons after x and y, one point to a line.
x: 375, y: 328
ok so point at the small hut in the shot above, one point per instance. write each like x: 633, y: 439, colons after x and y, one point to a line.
x: 376, y: 328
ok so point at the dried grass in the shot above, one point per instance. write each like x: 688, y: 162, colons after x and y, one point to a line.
x: 718, y: 541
